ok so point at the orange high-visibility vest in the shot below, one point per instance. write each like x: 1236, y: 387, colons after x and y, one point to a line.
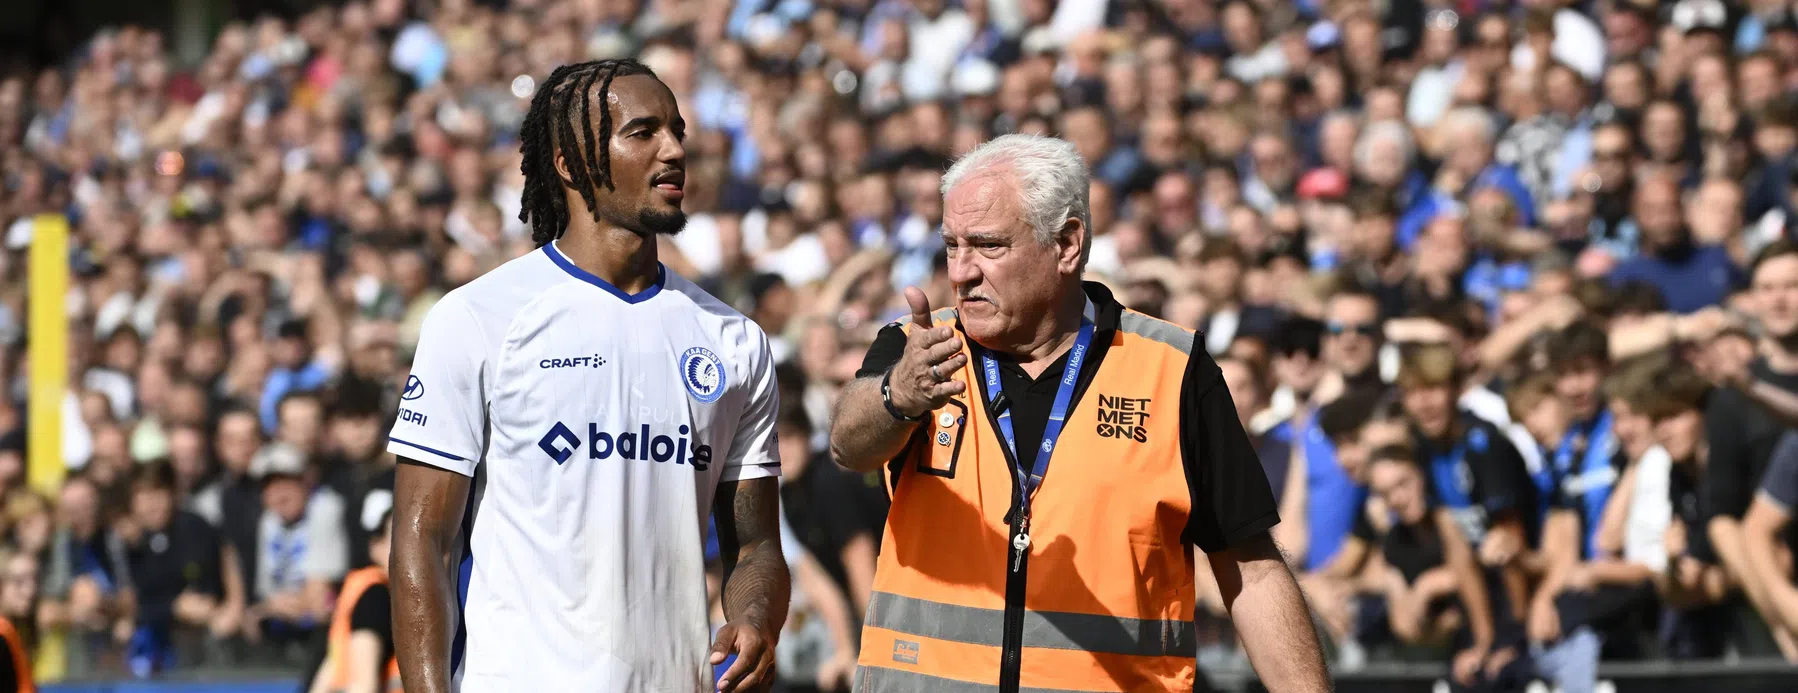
x: 354, y: 585
x: 21, y: 660
x: 1104, y: 599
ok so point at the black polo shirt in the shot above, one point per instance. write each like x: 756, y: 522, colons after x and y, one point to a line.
x: 182, y: 557
x: 1231, y: 498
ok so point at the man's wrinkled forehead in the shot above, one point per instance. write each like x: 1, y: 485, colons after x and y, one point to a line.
x: 984, y: 204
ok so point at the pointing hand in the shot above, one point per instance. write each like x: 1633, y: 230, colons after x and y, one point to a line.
x: 924, y: 378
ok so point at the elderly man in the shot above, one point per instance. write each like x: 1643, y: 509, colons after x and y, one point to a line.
x: 996, y: 574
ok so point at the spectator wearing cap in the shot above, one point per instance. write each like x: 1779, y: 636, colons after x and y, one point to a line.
x: 303, y: 550
x: 1689, y: 275
x: 173, y: 556
x: 1705, y: 24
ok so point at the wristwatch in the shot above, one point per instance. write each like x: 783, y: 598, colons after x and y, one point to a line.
x: 886, y: 398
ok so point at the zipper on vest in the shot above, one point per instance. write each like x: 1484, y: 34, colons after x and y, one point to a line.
x: 1012, y: 646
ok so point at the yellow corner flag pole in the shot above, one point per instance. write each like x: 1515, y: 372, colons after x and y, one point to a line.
x: 48, y: 351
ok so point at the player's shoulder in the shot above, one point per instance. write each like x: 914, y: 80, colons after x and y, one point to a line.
x: 504, y: 289
x: 709, y: 307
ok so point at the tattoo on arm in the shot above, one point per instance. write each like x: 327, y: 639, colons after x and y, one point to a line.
x: 756, y: 583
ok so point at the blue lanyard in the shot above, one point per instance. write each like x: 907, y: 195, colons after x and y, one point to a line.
x: 1058, y: 413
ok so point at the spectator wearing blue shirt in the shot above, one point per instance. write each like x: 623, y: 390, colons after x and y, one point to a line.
x: 1467, y: 165
x: 292, y: 372
x: 1689, y: 275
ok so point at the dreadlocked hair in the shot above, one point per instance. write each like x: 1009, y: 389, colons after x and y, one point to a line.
x: 549, y: 127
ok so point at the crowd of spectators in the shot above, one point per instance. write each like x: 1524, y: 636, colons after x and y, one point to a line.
x: 1501, y: 290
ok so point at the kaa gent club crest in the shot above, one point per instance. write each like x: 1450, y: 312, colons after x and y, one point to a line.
x: 703, y: 374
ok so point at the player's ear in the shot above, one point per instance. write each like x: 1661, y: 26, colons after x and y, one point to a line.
x: 562, y: 170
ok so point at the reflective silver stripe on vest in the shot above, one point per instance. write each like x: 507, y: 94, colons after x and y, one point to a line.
x: 1156, y: 330
x: 877, y: 679
x: 1054, y: 630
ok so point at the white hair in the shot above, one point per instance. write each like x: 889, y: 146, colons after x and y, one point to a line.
x: 1469, y: 117
x: 1053, y: 183
x: 1385, y: 129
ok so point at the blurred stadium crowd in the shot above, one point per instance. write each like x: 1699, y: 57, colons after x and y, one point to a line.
x: 1531, y: 252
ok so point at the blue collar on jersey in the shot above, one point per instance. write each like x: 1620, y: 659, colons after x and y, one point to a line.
x: 574, y: 270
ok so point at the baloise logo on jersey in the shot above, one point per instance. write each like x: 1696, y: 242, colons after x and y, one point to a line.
x: 642, y: 445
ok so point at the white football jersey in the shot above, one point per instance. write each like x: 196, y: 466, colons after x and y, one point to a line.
x: 597, y: 426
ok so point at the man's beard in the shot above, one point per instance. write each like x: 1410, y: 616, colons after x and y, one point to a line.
x: 654, y: 223
x: 646, y: 222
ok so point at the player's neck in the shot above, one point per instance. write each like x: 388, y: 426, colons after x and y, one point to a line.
x: 624, y: 259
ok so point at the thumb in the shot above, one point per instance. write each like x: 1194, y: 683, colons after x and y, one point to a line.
x: 721, y: 647
x: 920, y: 306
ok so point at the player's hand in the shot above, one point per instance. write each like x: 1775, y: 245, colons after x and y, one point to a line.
x: 754, y: 668
x: 923, y: 380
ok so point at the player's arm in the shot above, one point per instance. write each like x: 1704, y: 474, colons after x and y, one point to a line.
x: 863, y: 434
x: 438, y: 439
x: 428, y: 506
x: 756, y: 584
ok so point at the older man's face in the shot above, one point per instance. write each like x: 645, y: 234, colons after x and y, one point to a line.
x: 1005, y: 281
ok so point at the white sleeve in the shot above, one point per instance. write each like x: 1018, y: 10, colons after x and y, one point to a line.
x: 442, y: 415
x: 755, y: 451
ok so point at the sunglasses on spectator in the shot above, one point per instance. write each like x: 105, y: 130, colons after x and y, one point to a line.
x: 1364, y: 329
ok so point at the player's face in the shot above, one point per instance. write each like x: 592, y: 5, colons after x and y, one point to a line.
x: 648, y: 159
x: 1005, y: 280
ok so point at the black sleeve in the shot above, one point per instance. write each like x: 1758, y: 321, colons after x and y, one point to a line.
x: 206, y: 555
x: 1363, y: 528
x: 373, y: 612
x: 1725, y: 485
x: 1231, y: 499
x: 1498, y: 471
x: 849, y: 505
x: 9, y: 677
x: 888, y: 345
